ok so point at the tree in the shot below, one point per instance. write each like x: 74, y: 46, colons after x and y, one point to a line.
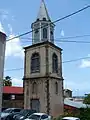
x: 87, y: 99
x: 7, y: 81
x: 84, y: 114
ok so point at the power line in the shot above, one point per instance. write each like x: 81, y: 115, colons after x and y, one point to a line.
x: 67, y: 16
x: 67, y: 61
x: 58, y: 40
x: 61, y: 41
x: 69, y: 37
x: 74, y: 60
x: 14, y: 69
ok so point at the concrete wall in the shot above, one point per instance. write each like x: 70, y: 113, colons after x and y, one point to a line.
x: 56, y: 100
x: 2, y: 55
x: 13, y: 103
x: 40, y: 94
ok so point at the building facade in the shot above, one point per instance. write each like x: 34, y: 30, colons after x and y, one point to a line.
x: 43, y: 81
x: 2, y: 55
x: 67, y: 93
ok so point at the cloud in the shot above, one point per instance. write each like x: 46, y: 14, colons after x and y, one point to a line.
x: 4, y: 14
x: 14, y: 48
x: 10, y: 28
x: 1, y: 28
x: 85, y: 64
x: 17, y: 82
x: 62, y: 33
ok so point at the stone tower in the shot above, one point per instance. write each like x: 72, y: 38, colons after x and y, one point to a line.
x: 43, y: 81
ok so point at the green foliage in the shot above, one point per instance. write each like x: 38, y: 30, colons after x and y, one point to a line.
x: 87, y: 99
x: 84, y: 114
x: 7, y: 81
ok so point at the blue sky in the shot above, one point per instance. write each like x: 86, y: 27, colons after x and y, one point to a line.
x: 16, y: 18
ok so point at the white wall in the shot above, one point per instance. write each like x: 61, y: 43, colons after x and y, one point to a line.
x: 2, y: 56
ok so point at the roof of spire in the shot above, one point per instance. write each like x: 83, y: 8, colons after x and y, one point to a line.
x: 43, y: 13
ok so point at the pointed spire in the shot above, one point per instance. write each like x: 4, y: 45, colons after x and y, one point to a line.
x: 43, y: 13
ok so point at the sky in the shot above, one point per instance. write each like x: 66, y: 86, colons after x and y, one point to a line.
x: 17, y: 17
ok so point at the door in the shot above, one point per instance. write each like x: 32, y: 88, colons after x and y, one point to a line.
x: 35, y: 104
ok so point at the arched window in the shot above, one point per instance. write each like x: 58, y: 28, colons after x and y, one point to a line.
x: 35, y: 63
x: 34, y: 88
x: 56, y: 87
x: 54, y: 63
x: 45, y: 33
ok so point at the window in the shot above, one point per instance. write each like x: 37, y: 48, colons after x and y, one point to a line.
x: 35, y: 63
x: 17, y: 110
x: 8, y: 110
x: 51, y: 32
x: 38, y: 19
x: 36, y: 31
x: 12, y: 97
x: 34, y: 87
x: 54, y: 63
x: 45, y: 33
x: 44, y: 19
x: 44, y: 117
x: 56, y: 88
x: 34, y: 117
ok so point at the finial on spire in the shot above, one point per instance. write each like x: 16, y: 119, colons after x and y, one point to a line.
x: 43, y: 13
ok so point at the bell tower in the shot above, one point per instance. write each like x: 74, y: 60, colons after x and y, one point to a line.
x: 43, y: 29
x: 43, y: 81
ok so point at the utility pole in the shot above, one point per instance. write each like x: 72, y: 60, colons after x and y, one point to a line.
x: 2, y: 57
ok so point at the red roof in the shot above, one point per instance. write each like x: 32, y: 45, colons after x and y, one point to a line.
x: 12, y: 90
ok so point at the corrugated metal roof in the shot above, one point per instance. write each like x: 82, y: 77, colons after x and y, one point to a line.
x: 75, y: 104
x: 12, y: 90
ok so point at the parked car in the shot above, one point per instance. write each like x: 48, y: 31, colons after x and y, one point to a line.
x: 39, y: 116
x: 8, y: 113
x: 70, y: 118
x: 23, y: 114
x: 2, y: 109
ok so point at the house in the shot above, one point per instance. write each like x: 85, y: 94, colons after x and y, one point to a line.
x: 71, y: 105
x: 67, y: 93
x: 13, y: 97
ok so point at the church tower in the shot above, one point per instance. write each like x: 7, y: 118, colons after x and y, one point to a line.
x: 43, y: 81
x: 43, y: 29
